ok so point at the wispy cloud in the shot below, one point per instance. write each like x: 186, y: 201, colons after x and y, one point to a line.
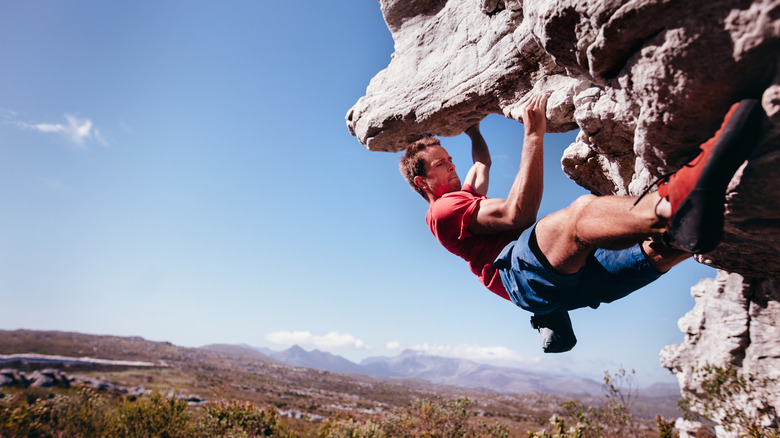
x: 7, y: 113
x: 80, y: 132
x: 492, y: 354
x: 332, y: 340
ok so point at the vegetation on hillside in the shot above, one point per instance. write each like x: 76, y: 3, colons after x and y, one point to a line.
x: 303, y: 402
x: 85, y: 412
x: 81, y: 411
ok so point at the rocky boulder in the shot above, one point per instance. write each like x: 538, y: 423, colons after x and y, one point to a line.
x: 48, y: 378
x: 12, y: 377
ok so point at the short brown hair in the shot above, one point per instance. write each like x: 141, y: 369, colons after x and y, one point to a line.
x: 412, y: 163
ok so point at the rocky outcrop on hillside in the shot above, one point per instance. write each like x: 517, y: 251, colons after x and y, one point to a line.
x: 734, y: 324
x: 12, y: 377
x: 55, y: 378
x: 644, y: 81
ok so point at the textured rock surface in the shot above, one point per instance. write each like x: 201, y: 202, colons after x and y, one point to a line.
x: 734, y: 322
x: 645, y: 82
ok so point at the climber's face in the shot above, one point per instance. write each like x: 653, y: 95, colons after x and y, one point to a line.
x: 440, y: 176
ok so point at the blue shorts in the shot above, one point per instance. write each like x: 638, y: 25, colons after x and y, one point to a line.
x: 607, y: 276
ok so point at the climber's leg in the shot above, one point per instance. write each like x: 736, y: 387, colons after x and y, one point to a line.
x: 568, y: 237
x: 697, y: 191
x: 598, y: 275
x: 595, y: 238
x: 691, y: 203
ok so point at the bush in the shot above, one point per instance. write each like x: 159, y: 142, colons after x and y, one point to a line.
x: 426, y: 418
x: 665, y: 427
x: 559, y: 430
x: 40, y: 412
x: 155, y: 416
x: 241, y: 419
x: 614, y: 420
x: 350, y: 428
x: 86, y: 414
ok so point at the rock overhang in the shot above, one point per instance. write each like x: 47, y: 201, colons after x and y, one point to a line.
x: 644, y: 81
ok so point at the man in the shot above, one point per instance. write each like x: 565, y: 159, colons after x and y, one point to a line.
x: 595, y: 251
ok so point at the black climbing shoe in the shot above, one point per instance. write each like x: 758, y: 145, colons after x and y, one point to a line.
x: 555, y: 331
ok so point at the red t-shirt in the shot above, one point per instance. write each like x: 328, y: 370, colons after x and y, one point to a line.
x: 449, y: 218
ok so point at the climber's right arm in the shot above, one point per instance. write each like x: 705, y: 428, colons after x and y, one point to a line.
x: 520, y: 208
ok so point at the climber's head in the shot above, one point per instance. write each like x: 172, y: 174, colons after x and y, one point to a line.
x: 412, y: 163
x: 428, y: 168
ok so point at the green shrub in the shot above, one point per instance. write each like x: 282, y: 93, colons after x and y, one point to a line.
x: 665, y: 427
x: 350, y: 428
x: 40, y: 412
x: 442, y: 418
x: 613, y: 420
x: 425, y: 419
x: 155, y: 416
x: 558, y: 430
x: 85, y: 412
x: 241, y: 419
x: 18, y: 418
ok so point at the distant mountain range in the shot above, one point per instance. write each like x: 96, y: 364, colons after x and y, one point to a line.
x: 439, y: 370
x: 300, y: 379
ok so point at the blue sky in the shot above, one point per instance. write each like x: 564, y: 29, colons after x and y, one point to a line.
x: 181, y: 171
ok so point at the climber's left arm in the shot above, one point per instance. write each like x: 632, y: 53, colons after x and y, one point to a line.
x: 479, y: 174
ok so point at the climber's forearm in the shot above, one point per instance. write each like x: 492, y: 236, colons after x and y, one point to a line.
x: 478, y: 176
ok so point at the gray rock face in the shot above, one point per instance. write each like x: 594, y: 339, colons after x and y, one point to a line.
x: 734, y: 323
x: 644, y: 81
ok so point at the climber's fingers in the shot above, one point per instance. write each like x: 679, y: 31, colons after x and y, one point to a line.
x: 534, y: 113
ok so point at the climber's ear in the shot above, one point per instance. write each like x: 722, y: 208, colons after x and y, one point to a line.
x: 421, y: 183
